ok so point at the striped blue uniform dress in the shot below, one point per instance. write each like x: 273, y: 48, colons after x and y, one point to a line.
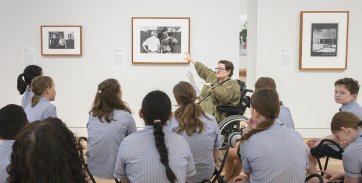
x: 352, y: 158
x: 202, y: 146
x: 353, y: 107
x: 139, y: 160
x: 26, y: 97
x: 285, y: 116
x: 5, y: 152
x: 42, y: 110
x: 276, y: 155
x: 104, y: 139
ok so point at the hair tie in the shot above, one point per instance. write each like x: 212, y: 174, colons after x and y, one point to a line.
x: 157, y: 121
x: 360, y: 123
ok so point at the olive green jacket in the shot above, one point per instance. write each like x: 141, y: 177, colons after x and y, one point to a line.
x: 218, y: 94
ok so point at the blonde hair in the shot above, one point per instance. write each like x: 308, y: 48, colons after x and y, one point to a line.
x: 39, y: 85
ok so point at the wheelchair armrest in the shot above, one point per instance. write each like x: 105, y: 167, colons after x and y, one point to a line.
x: 229, y: 109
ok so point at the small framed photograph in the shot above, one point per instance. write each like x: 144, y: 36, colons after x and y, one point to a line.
x: 160, y: 40
x: 61, y: 40
x: 323, y: 40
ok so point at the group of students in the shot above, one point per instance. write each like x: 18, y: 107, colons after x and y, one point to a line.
x: 180, y: 146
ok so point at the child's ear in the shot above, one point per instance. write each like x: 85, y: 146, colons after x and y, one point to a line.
x: 140, y: 113
x: 345, y: 130
x: 354, y: 97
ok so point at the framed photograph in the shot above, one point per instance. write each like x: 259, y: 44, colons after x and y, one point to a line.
x: 160, y: 40
x: 323, y: 40
x: 61, y: 40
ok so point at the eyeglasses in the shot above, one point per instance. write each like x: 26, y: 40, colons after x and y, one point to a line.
x: 219, y: 69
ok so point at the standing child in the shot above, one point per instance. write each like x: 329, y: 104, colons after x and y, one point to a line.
x: 154, y: 154
x: 110, y: 121
x: 40, y: 107
x: 24, y: 82
x: 12, y: 120
x: 199, y: 129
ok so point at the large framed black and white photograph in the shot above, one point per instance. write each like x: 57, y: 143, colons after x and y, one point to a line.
x: 160, y: 40
x: 61, y: 40
x: 323, y: 40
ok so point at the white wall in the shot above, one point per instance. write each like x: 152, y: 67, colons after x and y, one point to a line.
x: 107, y: 24
x: 309, y: 94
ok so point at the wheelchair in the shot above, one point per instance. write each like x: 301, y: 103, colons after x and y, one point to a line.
x: 234, y: 124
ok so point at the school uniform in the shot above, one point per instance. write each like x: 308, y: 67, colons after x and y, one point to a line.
x: 352, y: 107
x: 202, y: 146
x: 327, y: 149
x: 5, y: 153
x: 28, y: 94
x: 352, y: 158
x: 275, y: 155
x: 104, y: 139
x: 285, y: 116
x: 138, y: 158
x: 42, y: 110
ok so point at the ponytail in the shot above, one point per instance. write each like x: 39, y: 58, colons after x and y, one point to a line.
x: 35, y: 100
x: 188, y: 116
x: 259, y: 128
x: 21, y: 84
x: 162, y: 149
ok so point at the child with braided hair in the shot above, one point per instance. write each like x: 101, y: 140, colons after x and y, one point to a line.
x: 155, y: 154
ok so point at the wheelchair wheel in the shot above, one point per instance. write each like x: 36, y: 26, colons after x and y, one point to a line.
x: 231, y: 125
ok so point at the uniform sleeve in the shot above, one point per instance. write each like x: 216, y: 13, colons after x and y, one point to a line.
x: 225, y: 93
x: 119, y: 169
x: 352, y: 167
x: 204, y: 72
x: 244, y: 158
x: 50, y: 111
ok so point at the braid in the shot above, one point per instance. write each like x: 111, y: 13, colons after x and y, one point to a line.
x: 162, y: 149
x: 259, y: 128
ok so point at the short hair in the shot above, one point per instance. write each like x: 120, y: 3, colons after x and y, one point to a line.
x: 12, y: 120
x: 265, y: 82
x: 229, y: 66
x: 351, y: 84
x: 46, y: 151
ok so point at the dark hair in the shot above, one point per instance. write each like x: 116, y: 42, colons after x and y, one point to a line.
x: 229, y: 66
x: 12, y: 119
x: 188, y: 113
x: 351, y: 84
x: 266, y: 102
x: 265, y: 82
x: 156, y: 109
x: 39, y: 85
x: 344, y: 119
x: 46, y: 151
x: 107, y: 99
x: 24, y: 79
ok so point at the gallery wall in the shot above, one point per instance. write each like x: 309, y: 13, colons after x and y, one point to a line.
x: 309, y: 94
x: 107, y: 25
